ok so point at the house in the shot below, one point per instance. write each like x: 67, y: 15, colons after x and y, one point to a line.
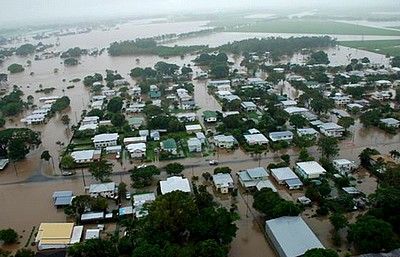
x: 210, y: 116
x: 288, y: 103
x: 248, y: 106
x: 310, y: 169
x: 90, y: 120
x: 216, y: 83
x: 97, y: 105
x: 193, y: 128
x: 194, y: 145
x: 381, y: 95
x: 286, y: 176
x: 62, y: 198
x: 154, y: 93
x: 256, y: 139
x: 340, y: 113
x: 137, y: 150
x: 309, y: 132
x: 223, y: 141
x: 343, y: 166
x: 104, y: 140
x: 88, y: 127
x: 281, y: 136
x: 107, y: 190
x: 56, y: 235
x: 231, y: 97
x: 353, y: 107
x: 188, y: 104
x: 138, y: 203
x: 83, y: 156
x: 155, y: 135
x: 135, y: 122
x: 312, y: 84
x: 109, y: 93
x: 92, y: 233
x: 249, y: 178
x: 390, y: 122
x: 34, y: 119
x: 3, y: 163
x: 170, y: 146
x: 295, y: 110
x: 135, y: 108
x: 175, y: 183
x: 133, y: 140
x: 383, y: 161
x: 291, y: 236
x: 135, y: 91
x: 341, y: 100
x: 186, y: 117
x: 223, y: 182
x: 200, y: 136
x: 331, y: 129
x: 227, y: 114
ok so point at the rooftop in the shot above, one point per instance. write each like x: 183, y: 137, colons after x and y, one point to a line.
x: 175, y: 184
x: 284, y: 173
x: 54, y: 233
x: 311, y: 167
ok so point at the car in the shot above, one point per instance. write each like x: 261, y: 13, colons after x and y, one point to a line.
x: 128, y: 196
x: 117, y: 156
x: 67, y: 173
x: 142, y: 166
x: 213, y: 162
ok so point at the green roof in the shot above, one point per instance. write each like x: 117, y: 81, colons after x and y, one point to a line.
x: 155, y: 94
x: 209, y: 114
x: 169, y: 143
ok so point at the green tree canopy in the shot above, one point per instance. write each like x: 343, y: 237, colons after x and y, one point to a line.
x: 115, y: 104
x: 9, y: 236
x: 174, y: 168
x: 101, y: 170
x: 328, y: 146
x: 319, y: 252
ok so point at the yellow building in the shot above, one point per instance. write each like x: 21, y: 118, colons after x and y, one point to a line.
x: 54, y: 235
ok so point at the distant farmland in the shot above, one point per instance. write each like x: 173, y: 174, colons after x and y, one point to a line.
x: 386, y: 47
x: 306, y: 26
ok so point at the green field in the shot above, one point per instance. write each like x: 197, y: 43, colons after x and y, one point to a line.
x: 307, y: 26
x: 386, y: 47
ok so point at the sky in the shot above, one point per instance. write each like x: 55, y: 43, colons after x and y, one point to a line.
x: 20, y: 12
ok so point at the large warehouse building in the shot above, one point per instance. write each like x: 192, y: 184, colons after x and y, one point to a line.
x: 291, y: 236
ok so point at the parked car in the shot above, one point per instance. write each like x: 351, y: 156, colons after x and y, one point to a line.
x: 128, y: 196
x: 213, y: 162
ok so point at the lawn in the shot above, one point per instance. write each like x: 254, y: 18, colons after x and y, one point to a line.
x: 309, y: 26
x: 386, y: 47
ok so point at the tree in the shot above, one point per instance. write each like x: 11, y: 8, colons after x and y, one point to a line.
x: 45, y: 156
x: 270, y: 203
x: 365, y: 156
x: 142, y: 177
x: 174, y: 168
x: 2, y: 121
x: 321, y: 104
x: 61, y: 104
x: 96, y: 112
x: 24, y: 252
x: 71, y: 61
x: 319, y: 57
x: 304, y: 155
x: 79, y: 205
x: 118, y: 119
x: 93, y: 248
x: 285, y: 208
x: 67, y: 162
x: 370, y: 234
x: 395, y: 62
x: 319, y: 252
x: 164, y: 68
x: 15, y: 68
x: 298, y: 121
x: 346, y: 122
x: 122, y: 190
x: 225, y: 170
x: 17, y: 150
x: 210, y: 248
x: 115, y: 104
x: 136, y: 72
x: 101, y: 170
x: 9, y: 236
x: 65, y: 119
x: 338, y: 220
x: 328, y: 146
x: 25, y: 49
x: 219, y: 71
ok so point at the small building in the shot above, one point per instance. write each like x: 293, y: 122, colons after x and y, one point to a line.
x: 193, y: 128
x: 83, y: 156
x: 288, y: 103
x: 54, y: 235
x: 390, y: 122
x: 107, y: 190
x: 286, y: 176
x: 62, y: 198
x: 308, y: 132
x: 295, y: 110
x: 194, y: 145
x: 200, y: 136
x: 175, y: 183
x: 88, y: 127
x: 135, y: 122
x: 134, y: 140
x: 310, y: 169
x: 281, y: 136
x: 291, y: 236
x: 249, y: 178
x: 343, y: 166
x: 223, y: 182
x: 34, y: 119
x: 341, y: 100
x: 381, y: 95
x: 331, y: 129
x: 116, y: 149
x: 92, y: 233
x: 170, y: 146
x: 137, y: 150
x: 104, y: 140
x: 3, y: 163
x: 138, y: 203
x: 256, y: 139
x: 186, y: 117
x: 248, y: 106
x: 223, y: 141
x: 155, y: 135
x: 210, y: 116
x: 90, y: 120
x: 351, y: 191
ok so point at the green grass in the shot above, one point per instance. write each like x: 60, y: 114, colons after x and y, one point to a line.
x: 308, y: 26
x: 386, y: 47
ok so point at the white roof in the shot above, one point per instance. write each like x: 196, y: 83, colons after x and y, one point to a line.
x: 105, y: 137
x: 92, y: 233
x: 193, y: 141
x: 311, y: 167
x: 143, y: 198
x: 284, y: 173
x: 265, y: 184
x: 88, y: 126
x: 140, y: 139
x: 82, y: 155
x: 330, y: 126
x: 175, y: 184
x: 104, y: 187
x: 289, y: 102
x: 222, y: 179
x: 193, y: 127
x: 76, y: 234
x: 293, y: 235
x: 306, y: 131
x: 390, y: 121
x: 136, y: 147
x: 259, y: 138
x: 248, y: 104
x: 342, y: 161
x: 90, y: 118
x: 294, y: 109
x: 223, y: 138
x: 253, y: 131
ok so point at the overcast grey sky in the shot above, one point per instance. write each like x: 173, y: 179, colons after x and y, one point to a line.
x: 27, y: 11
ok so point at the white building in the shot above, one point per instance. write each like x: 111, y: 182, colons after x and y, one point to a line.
x: 343, y: 166
x: 286, y: 176
x: 193, y: 128
x: 223, y: 141
x: 341, y: 100
x: 310, y: 132
x: 175, y: 184
x: 186, y: 117
x: 104, y: 140
x: 137, y: 150
x: 295, y: 110
x: 331, y: 129
x: 89, y: 120
x: 83, y: 156
x: 256, y: 139
x: 34, y: 119
x: 249, y: 178
x: 133, y: 140
x: 310, y: 169
x: 194, y: 145
x: 381, y: 95
x: 281, y: 136
x: 390, y: 122
x: 223, y: 182
x: 248, y: 106
x: 107, y: 190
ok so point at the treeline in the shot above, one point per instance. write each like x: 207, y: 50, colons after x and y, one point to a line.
x: 150, y: 47
x: 277, y: 46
